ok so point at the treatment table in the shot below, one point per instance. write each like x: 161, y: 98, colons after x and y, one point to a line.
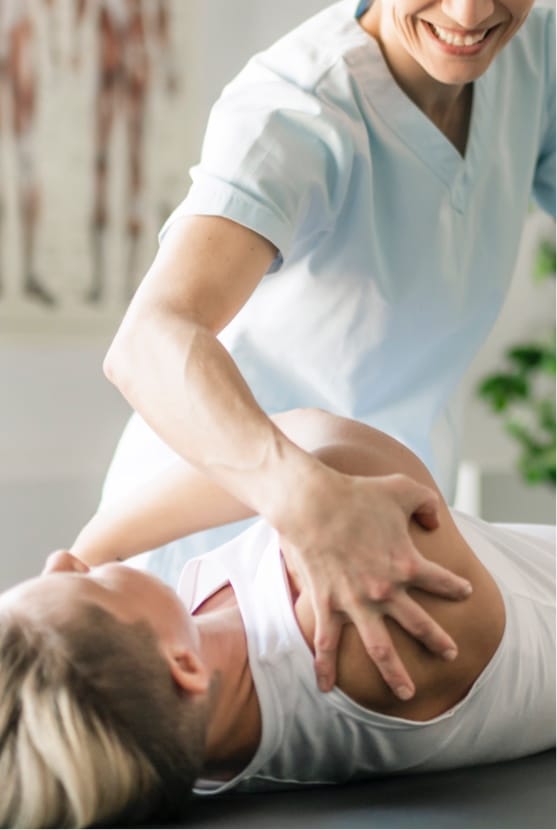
x: 517, y: 794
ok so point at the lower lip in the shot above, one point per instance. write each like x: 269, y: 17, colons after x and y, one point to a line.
x: 460, y: 51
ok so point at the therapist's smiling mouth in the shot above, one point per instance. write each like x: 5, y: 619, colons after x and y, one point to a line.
x: 457, y: 41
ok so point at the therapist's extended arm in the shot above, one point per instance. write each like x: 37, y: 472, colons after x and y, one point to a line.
x: 181, y: 500
x: 173, y: 504
x: 349, y: 537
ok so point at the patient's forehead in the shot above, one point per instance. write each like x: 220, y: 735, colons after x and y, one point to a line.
x: 57, y: 595
x: 127, y: 594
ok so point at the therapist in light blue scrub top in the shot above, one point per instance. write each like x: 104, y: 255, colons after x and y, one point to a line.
x: 347, y: 243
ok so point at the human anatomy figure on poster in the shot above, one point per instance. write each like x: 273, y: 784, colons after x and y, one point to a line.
x: 18, y: 107
x: 124, y: 80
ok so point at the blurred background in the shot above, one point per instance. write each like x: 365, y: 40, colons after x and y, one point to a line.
x: 96, y: 140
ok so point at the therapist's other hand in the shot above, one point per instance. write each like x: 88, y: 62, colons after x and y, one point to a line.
x: 356, y: 558
x: 63, y: 560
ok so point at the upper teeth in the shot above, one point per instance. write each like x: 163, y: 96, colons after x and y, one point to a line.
x: 457, y: 40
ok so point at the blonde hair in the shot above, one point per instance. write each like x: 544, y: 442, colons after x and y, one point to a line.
x: 92, y: 724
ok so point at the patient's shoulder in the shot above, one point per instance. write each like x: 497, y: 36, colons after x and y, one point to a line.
x: 476, y: 624
x: 351, y: 446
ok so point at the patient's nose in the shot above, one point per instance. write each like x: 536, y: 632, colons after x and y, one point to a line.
x: 64, y: 561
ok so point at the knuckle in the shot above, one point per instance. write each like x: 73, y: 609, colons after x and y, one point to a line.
x: 348, y: 592
x: 408, y: 569
x: 381, y: 591
x: 399, y: 481
x: 351, y: 596
x: 423, y: 630
x: 324, y: 642
x: 380, y: 653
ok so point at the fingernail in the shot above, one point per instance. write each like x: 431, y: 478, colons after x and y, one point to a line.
x: 468, y: 589
x: 450, y: 654
x: 404, y: 692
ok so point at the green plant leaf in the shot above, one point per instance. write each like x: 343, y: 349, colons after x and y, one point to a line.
x: 546, y: 415
x: 539, y: 469
x: 521, y: 394
x: 544, y: 263
x: 548, y: 363
x: 528, y: 356
x: 524, y: 436
x: 502, y: 389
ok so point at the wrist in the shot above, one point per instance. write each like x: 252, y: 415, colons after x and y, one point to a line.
x: 295, y: 489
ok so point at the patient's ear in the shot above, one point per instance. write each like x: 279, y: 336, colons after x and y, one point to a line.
x: 188, y: 671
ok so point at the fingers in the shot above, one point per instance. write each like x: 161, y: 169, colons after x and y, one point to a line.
x: 379, y: 646
x: 328, y: 628
x: 377, y: 642
x: 417, y: 622
x: 436, y: 579
x: 64, y: 561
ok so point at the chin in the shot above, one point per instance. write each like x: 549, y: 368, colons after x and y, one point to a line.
x: 457, y: 75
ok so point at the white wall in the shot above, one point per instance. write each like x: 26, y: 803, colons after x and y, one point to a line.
x: 59, y: 422
x: 59, y: 417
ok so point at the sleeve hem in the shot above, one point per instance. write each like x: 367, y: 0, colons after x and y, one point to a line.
x: 230, y: 203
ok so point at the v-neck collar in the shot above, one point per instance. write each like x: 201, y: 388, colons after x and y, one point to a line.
x: 408, y: 121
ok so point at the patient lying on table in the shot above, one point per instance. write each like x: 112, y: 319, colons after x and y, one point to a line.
x: 119, y: 695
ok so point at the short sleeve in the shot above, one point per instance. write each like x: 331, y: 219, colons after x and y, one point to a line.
x: 544, y: 176
x: 274, y: 159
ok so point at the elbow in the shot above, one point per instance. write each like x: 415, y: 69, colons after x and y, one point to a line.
x: 109, y: 365
x: 117, y: 363
x: 133, y: 340
x: 144, y: 343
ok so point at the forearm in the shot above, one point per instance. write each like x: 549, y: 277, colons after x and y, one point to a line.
x: 174, y: 504
x: 181, y: 500
x: 168, y: 363
x: 192, y: 394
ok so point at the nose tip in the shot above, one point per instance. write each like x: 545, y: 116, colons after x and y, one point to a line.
x: 469, y: 14
x: 64, y: 561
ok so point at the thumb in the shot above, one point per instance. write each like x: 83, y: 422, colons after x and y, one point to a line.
x: 418, y: 501
x: 428, y: 514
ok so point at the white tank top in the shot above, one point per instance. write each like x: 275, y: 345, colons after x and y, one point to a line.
x: 314, y: 738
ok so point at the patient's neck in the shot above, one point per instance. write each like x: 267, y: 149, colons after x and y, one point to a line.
x: 234, y: 722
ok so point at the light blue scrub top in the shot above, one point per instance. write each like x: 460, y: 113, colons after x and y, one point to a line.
x: 395, y: 253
